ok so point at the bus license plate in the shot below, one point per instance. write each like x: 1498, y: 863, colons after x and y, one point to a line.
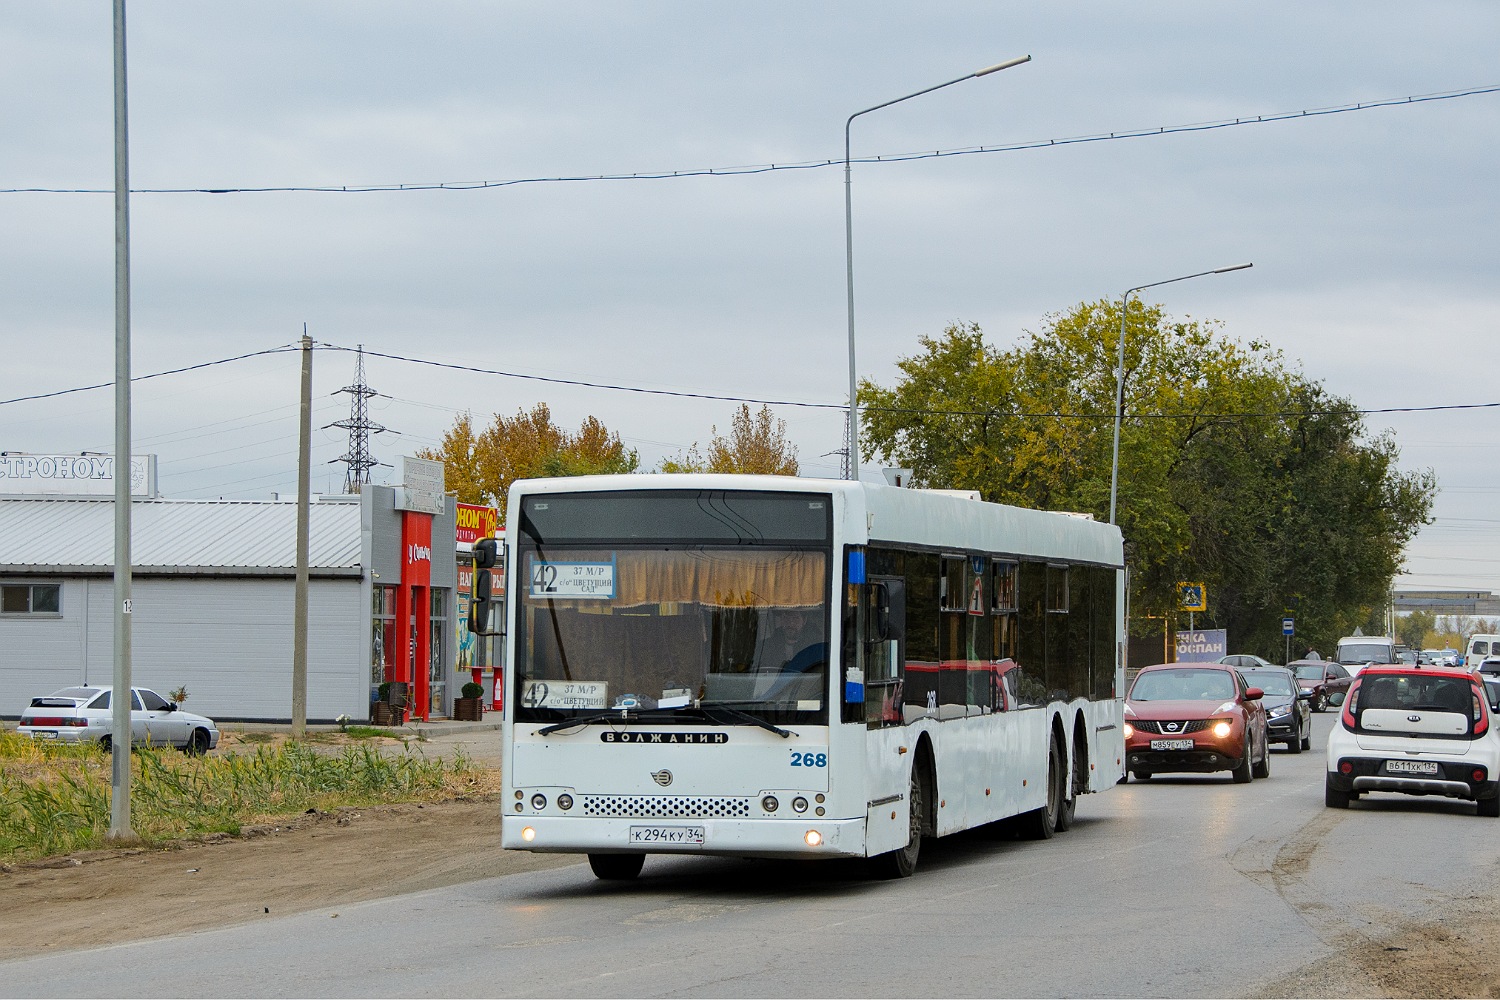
x: 1171, y: 744
x: 1412, y: 766
x: 666, y: 836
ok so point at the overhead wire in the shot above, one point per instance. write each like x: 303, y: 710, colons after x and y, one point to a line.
x: 766, y: 168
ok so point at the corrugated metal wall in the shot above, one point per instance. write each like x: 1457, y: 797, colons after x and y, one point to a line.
x: 228, y: 640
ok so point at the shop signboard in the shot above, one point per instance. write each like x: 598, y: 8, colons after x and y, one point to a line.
x: 77, y: 475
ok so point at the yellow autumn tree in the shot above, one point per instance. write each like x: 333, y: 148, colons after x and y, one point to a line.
x: 528, y: 445
x: 756, y: 444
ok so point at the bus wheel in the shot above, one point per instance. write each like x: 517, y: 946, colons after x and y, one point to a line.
x: 617, y: 867
x: 1041, y: 823
x: 1069, y: 806
x: 901, y: 863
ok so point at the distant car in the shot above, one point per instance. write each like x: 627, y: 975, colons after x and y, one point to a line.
x: 1408, y: 657
x: 1327, y: 681
x: 1247, y: 661
x: 84, y: 715
x: 1357, y: 650
x: 1195, y: 717
x: 1288, y: 711
x: 1415, y: 731
x: 1480, y: 645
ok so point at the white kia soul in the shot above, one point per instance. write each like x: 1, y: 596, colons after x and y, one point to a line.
x: 1417, y: 731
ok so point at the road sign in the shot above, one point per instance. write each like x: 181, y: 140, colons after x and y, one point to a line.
x: 1192, y: 597
x: 1288, y: 626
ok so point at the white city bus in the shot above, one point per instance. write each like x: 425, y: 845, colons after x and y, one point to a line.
x: 765, y: 666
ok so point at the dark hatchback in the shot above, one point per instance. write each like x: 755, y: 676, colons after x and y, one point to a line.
x: 1288, y: 711
x: 1328, y: 682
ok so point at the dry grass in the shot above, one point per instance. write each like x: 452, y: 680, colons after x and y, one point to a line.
x: 55, y: 799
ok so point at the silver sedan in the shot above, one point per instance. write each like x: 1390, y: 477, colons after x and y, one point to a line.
x: 84, y: 715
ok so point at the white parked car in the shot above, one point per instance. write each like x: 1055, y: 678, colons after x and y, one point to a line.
x: 1417, y: 731
x: 83, y: 714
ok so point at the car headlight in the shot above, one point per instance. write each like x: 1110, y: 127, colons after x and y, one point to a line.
x: 1223, y: 728
x: 1279, y: 713
x: 1129, y: 730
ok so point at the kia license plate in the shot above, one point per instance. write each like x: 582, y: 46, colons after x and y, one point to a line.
x: 666, y: 836
x: 1171, y: 744
x: 1411, y: 766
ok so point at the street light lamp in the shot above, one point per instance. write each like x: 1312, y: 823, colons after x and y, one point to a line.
x: 1114, y: 469
x: 849, y: 243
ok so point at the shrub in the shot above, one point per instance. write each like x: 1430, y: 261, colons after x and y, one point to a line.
x: 472, y: 690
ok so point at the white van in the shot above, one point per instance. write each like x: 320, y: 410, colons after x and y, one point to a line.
x: 1357, y: 650
x: 1481, y: 647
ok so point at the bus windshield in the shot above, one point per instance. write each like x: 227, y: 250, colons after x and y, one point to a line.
x: 660, y: 625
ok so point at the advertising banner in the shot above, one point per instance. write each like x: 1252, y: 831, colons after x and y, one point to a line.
x: 473, y: 522
x: 1202, y: 646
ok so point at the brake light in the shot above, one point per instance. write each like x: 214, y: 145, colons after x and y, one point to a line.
x: 41, y: 720
x: 1481, y: 717
x: 1351, y: 706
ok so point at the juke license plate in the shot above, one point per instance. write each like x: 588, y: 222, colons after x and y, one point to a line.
x: 1171, y: 744
x: 667, y: 836
x: 1411, y: 766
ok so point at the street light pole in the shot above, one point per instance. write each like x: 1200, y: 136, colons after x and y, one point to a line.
x: 1114, y: 473
x: 849, y: 244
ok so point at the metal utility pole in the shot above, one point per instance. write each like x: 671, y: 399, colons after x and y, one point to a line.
x: 304, y: 497
x: 360, y: 427
x: 119, y: 810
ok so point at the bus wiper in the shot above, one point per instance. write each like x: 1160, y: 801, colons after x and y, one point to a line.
x: 617, y: 715
x: 707, y: 712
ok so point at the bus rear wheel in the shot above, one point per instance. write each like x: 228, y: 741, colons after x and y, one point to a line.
x: 1041, y: 823
x: 901, y: 863
x: 617, y: 867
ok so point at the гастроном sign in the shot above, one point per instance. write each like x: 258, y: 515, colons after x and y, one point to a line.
x: 73, y: 475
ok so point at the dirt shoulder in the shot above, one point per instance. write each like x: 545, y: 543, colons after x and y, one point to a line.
x: 96, y: 898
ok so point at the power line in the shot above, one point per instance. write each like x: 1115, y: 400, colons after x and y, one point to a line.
x: 766, y: 168
x: 142, y: 378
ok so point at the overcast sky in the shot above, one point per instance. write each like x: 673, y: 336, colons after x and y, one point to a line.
x: 1373, y: 232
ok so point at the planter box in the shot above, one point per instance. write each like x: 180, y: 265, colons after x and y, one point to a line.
x: 382, y: 714
x: 468, y: 709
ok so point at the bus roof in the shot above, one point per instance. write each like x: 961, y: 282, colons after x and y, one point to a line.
x: 874, y: 513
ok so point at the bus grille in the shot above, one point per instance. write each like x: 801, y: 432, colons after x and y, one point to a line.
x: 667, y: 806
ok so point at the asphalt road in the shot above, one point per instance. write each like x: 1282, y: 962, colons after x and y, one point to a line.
x: 1190, y: 886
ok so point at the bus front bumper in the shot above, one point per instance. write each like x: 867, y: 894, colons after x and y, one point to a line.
x: 761, y: 838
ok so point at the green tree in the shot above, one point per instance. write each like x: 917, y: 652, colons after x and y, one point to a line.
x: 756, y: 444
x: 1412, y: 628
x: 525, y: 446
x: 1234, y: 469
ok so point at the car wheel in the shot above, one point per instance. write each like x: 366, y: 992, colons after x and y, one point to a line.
x: 901, y: 863
x: 197, y: 744
x: 1244, y: 772
x: 1307, y: 740
x: 1294, y: 744
x: 617, y: 867
x: 1320, y: 703
x: 1263, y: 769
x: 1334, y: 798
x: 1488, y: 807
x: 1041, y: 823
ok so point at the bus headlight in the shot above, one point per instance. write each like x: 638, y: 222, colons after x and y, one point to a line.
x: 565, y: 802
x: 528, y: 834
x: 813, y: 838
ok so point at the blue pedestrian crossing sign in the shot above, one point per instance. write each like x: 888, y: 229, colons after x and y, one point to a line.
x: 1192, y: 597
x: 1288, y: 626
